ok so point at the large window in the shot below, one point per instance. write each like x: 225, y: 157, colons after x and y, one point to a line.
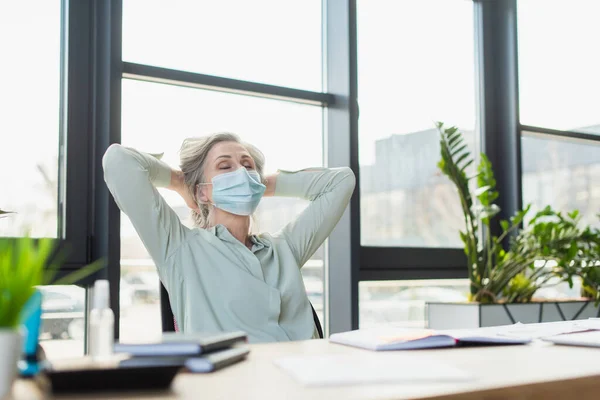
x: 561, y: 173
x: 559, y: 60
x: 268, y: 41
x: 415, y: 67
x: 30, y: 42
x: 156, y: 118
x: 559, y: 83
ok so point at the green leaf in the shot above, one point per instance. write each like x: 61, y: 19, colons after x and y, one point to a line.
x: 489, y: 211
x: 451, y: 130
x: 456, y: 152
x: 504, y: 224
x: 81, y: 273
x: 460, y: 159
x: 481, y: 190
x: 5, y: 213
x: 454, y: 140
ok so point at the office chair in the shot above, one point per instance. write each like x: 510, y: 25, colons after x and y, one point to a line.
x: 169, y: 324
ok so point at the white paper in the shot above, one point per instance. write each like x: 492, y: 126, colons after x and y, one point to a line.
x: 589, y: 338
x: 494, y: 331
x: 536, y: 331
x: 366, y: 368
x: 526, y: 331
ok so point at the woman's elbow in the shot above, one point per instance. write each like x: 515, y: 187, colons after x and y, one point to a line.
x: 111, y: 159
x: 349, y: 178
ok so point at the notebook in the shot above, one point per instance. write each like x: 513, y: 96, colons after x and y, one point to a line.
x: 207, y: 363
x: 179, y: 344
x: 413, y: 339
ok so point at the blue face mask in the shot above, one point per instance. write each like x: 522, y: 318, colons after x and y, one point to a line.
x: 237, y: 192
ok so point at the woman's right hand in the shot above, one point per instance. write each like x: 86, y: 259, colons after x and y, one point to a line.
x: 178, y: 185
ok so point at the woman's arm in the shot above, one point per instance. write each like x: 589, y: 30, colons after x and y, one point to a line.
x: 132, y: 178
x: 329, y: 191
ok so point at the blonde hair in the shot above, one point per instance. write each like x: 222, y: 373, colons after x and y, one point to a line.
x: 193, y: 155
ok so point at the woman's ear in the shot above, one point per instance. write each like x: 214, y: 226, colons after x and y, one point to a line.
x: 202, y: 194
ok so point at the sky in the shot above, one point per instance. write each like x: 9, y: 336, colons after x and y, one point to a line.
x: 416, y: 66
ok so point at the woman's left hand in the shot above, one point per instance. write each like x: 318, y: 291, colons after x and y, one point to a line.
x: 178, y: 185
x: 271, y: 182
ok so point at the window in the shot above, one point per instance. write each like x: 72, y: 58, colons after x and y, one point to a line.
x: 562, y: 173
x: 402, y: 303
x: 559, y: 60
x: 415, y: 67
x: 63, y: 321
x: 29, y: 120
x: 156, y: 118
x: 267, y: 41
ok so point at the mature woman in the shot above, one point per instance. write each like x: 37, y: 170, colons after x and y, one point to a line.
x: 220, y: 277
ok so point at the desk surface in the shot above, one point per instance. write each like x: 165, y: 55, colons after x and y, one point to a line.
x: 518, y: 372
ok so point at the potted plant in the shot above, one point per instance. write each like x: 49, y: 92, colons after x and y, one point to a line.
x: 507, y: 269
x: 26, y: 263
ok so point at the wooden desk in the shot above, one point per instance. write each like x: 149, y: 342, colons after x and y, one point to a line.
x: 536, y: 371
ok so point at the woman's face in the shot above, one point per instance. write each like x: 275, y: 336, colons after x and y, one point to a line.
x: 223, y: 157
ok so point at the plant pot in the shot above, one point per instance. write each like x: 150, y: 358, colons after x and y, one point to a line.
x: 476, y: 315
x: 10, y: 350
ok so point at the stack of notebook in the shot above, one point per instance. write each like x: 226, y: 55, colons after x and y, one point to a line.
x: 195, y: 352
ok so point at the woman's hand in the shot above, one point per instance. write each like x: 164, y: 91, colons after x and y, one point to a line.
x: 178, y: 185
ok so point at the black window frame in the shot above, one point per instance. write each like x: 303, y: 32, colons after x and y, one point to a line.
x: 75, y: 193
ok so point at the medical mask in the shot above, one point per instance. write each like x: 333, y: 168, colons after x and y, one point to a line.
x: 237, y: 192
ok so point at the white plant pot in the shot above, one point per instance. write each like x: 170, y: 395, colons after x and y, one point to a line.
x: 475, y: 315
x: 10, y: 350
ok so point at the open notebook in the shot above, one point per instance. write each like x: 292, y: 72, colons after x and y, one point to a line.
x: 412, y: 339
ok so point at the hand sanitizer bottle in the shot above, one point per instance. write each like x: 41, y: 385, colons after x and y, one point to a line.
x: 102, y: 321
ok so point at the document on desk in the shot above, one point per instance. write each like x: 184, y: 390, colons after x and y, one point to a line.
x: 585, y: 339
x: 542, y: 330
x: 366, y: 368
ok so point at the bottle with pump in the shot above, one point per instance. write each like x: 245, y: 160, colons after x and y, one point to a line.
x: 102, y: 321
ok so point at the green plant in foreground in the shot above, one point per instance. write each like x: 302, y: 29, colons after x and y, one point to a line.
x: 551, y: 238
x: 26, y: 263
x: 5, y: 213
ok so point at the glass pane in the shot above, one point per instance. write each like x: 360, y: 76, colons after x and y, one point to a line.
x: 269, y: 41
x: 559, y: 60
x: 561, y: 173
x: 156, y: 119
x: 402, y: 303
x: 415, y: 67
x: 63, y: 321
x: 29, y: 117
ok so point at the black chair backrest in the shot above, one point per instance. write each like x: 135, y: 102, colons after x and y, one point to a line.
x: 166, y: 314
x: 168, y: 323
x: 317, y: 322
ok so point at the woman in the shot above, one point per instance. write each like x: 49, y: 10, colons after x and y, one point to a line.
x: 220, y: 277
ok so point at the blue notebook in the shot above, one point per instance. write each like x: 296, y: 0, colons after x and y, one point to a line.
x: 179, y: 344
